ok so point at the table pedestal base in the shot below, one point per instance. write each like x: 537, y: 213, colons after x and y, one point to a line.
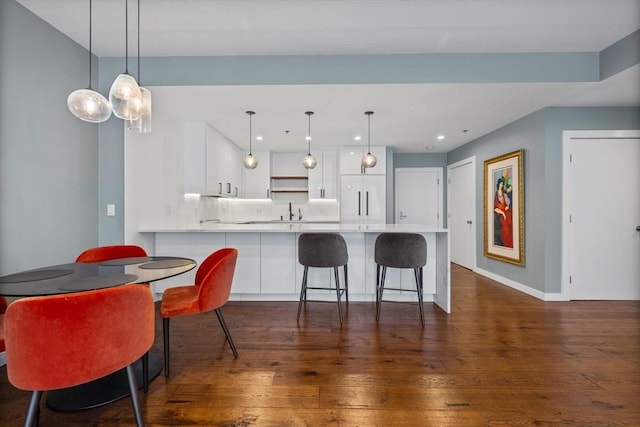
x: 102, y: 391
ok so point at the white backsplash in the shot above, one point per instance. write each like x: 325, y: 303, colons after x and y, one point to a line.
x: 244, y: 210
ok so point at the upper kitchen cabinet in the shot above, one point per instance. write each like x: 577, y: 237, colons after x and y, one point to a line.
x: 351, y: 160
x: 257, y: 182
x: 322, y: 178
x: 212, y: 163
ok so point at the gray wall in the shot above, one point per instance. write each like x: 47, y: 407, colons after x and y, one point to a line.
x: 48, y: 158
x: 540, y: 135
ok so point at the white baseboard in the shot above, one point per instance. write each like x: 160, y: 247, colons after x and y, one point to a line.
x: 555, y: 296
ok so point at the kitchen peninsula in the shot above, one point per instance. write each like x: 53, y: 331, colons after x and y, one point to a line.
x: 268, y: 268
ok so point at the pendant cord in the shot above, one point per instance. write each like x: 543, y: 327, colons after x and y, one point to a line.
x: 250, y: 134
x: 126, y: 36
x: 90, y: 31
x: 309, y: 149
x: 139, y: 78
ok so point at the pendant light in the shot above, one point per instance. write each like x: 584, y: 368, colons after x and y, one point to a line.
x: 250, y: 162
x: 125, y: 96
x: 143, y: 123
x: 87, y: 104
x: 309, y: 162
x: 369, y: 160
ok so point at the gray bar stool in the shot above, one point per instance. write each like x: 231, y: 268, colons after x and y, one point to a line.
x: 323, y: 250
x: 399, y: 250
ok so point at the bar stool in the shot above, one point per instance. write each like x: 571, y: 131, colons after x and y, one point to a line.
x: 399, y: 250
x: 323, y: 250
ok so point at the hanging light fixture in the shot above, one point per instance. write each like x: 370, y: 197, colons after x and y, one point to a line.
x: 309, y: 162
x: 143, y: 123
x: 250, y: 162
x: 125, y: 96
x: 87, y: 104
x: 369, y: 160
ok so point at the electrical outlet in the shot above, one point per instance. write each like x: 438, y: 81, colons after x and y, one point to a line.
x: 111, y: 210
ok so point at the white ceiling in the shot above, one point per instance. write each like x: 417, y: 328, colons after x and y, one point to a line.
x: 408, y: 115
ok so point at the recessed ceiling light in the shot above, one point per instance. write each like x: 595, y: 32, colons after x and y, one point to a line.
x: 259, y: 138
x: 440, y: 137
x: 357, y: 138
x: 429, y: 148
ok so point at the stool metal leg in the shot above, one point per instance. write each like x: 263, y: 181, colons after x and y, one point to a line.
x: 336, y: 273
x: 346, y: 284
x: 303, y: 290
x: 419, y: 283
x: 381, y: 275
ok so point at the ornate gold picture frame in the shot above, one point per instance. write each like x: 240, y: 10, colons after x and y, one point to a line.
x: 504, y: 208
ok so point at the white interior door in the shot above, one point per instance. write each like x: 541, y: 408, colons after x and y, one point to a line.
x: 419, y: 196
x: 461, y: 205
x: 602, y: 202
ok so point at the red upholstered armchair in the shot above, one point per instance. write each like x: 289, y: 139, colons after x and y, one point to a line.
x: 210, y: 292
x: 65, y: 340
x: 106, y: 253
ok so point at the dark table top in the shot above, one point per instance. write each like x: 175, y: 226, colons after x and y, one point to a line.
x: 76, y: 277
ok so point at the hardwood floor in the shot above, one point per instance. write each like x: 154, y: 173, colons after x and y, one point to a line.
x: 501, y: 358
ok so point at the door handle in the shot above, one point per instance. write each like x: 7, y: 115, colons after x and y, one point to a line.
x: 367, y: 203
x: 469, y: 221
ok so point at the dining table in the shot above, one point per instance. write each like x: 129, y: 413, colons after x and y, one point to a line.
x: 79, y: 277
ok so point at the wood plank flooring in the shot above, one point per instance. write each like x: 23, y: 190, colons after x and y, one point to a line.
x: 501, y: 358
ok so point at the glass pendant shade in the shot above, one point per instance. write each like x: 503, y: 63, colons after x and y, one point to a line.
x: 89, y: 105
x: 309, y: 162
x: 250, y: 162
x: 125, y: 97
x: 143, y: 123
x: 369, y: 160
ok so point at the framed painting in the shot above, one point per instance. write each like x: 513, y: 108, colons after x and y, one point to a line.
x: 504, y: 208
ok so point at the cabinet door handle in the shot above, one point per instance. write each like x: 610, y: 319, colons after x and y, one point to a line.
x: 367, y: 203
x: 268, y: 195
x: 219, y: 188
x: 359, y: 197
x: 228, y: 188
x: 236, y: 191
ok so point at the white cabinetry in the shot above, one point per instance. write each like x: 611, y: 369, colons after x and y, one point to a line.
x: 362, y: 199
x: 212, y: 164
x: 322, y: 178
x: 278, y: 266
x: 351, y: 160
x: 257, y: 181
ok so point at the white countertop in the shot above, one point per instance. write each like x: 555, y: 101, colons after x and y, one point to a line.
x: 294, y: 227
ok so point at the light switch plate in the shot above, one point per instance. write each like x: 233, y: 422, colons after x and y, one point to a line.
x: 111, y: 210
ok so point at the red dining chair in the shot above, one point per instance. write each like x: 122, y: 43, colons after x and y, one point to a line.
x: 3, y: 308
x: 61, y: 341
x: 106, y: 253
x: 210, y: 292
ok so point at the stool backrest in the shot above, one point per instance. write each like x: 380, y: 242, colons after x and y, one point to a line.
x: 322, y: 250
x: 401, y: 250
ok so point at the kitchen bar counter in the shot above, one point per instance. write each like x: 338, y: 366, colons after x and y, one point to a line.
x: 293, y: 227
x: 268, y: 268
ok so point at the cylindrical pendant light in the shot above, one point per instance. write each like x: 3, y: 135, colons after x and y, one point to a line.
x: 369, y: 160
x: 125, y: 96
x: 250, y: 162
x: 143, y: 123
x: 309, y: 162
x: 87, y: 104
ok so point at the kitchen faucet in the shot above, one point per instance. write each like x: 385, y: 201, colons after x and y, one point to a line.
x: 299, y: 215
x: 290, y: 212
